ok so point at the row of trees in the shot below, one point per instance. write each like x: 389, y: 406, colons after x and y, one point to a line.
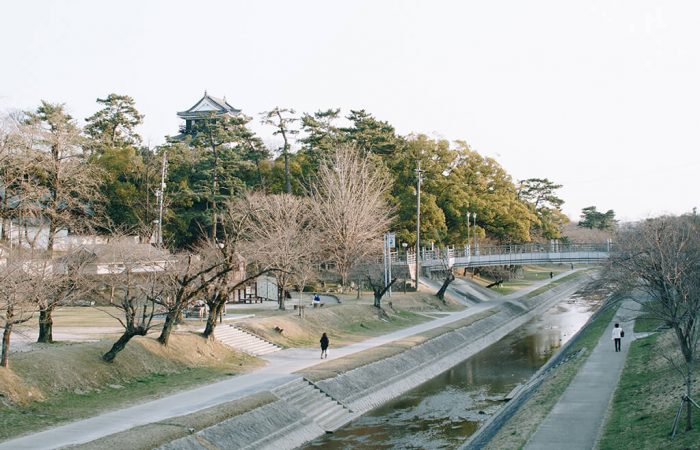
x: 108, y: 168
x: 339, y: 221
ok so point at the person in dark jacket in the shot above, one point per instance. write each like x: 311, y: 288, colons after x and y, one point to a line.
x: 324, y: 346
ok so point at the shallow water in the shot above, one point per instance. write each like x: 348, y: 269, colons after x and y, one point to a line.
x: 443, y: 412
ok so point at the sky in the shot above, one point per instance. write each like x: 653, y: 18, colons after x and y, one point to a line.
x: 601, y: 96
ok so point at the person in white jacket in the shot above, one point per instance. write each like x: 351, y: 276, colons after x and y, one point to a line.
x: 617, y: 334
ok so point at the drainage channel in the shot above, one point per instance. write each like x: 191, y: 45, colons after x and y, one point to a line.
x: 446, y: 410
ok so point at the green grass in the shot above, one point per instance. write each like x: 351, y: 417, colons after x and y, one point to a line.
x: 70, y: 406
x: 642, y: 325
x: 647, y: 399
x: 553, y: 284
x: 516, y: 432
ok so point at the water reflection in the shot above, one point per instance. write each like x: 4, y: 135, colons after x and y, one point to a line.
x: 442, y: 412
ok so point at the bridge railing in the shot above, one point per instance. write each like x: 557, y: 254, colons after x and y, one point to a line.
x: 503, y: 251
x: 460, y: 252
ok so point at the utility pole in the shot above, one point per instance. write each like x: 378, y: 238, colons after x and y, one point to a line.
x: 419, y: 172
x: 467, y: 249
x: 161, y: 194
x: 476, y: 246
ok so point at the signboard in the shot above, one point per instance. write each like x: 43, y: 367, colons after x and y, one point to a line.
x: 391, y: 240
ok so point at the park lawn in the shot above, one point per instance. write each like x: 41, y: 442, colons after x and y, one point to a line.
x: 352, y: 321
x: 82, y: 316
x: 647, y: 399
x: 515, y: 433
x: 66, y: 382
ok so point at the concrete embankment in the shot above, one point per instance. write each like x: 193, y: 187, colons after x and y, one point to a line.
x: 304, y: 413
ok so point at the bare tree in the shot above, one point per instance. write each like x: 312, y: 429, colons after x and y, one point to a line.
x: 281, y: 234
x: 20, y: 191
x: 378, y: 287
x: 16, y: 288
x: 187, y: 278
x: 350, y: 208
x: 72, y: 183
x: 59, y: 281
x: 135, y: 276
x: 661, y: 257
x: 448, y: 275
x: 234, y: 270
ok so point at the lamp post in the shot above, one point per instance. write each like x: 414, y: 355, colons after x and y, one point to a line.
x: 468, y: 215
x: 160, y: 193
x: 405, y: 253
x: 476, y: 247
x: 419, y: 172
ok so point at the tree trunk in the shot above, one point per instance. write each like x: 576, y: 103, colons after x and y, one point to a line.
x: 287, y: 181
x: 119, y: 345
x: 379, y: 292
x: 170, y: 320
x: 448, y: 279
x: 211, y: 320
x: 6, y: 345
x: 378, y: 299
x: 46, y: 325
x: 52, y: 231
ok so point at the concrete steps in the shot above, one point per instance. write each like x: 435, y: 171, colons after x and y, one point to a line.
x: 323, y: 409
x: 244, y: 341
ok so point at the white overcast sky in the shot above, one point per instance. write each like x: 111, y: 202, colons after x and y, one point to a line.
x: 601, y: 96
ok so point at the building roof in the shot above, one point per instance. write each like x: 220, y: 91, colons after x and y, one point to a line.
x: 207, y: 105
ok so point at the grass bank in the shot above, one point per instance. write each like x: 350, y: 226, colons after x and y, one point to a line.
x: 515, y: 433
x: 352, y: 321
x: 65, y: 382
x: 647, y: 399
x: 554, y: 284
x: 531, y: 274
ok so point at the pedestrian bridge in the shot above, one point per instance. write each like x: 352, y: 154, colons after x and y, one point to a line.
x: 507, y: 255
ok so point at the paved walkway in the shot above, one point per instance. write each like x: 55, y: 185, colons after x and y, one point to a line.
x: 279, y: 370
x: 576, y: 420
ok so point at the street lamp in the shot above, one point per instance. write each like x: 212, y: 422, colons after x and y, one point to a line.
x: 467, y: 247
x: 419, y: 172
x: 476, y: 248
x: 405, y: 252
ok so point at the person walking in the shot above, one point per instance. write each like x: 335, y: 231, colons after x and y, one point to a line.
x: 324, y: 346
x: 617, y: 335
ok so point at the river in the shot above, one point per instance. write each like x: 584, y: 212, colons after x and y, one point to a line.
x: 444, y: 411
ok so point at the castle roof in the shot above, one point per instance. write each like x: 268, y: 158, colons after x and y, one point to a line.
x: 208, y: 105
